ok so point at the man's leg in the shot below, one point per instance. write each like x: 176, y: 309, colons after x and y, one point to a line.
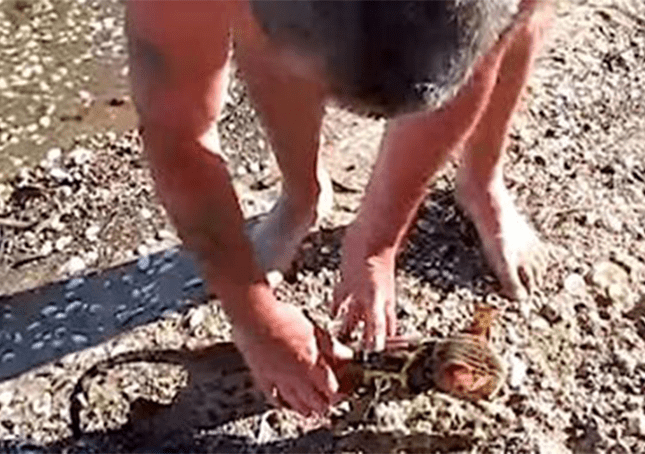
x: 292, y: 108
x: 512, y: 248
x: 413, y: 149
x: 179, y: 52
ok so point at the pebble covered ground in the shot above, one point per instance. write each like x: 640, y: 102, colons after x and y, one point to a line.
x: 575, y: 164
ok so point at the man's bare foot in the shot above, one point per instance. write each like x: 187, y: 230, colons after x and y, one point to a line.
x: 511, y: 245
x: 276, y: 238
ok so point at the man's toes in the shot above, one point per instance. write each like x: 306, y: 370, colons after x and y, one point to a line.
x: 513, y: 278
x: 512, y: 286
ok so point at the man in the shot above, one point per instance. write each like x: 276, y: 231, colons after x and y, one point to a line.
x: 448, y: 74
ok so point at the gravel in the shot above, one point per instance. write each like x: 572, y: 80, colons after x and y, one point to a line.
x: 83, y: 200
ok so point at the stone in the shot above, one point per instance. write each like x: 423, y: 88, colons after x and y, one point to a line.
x: 611, y: 282
x: 42, y: 405
x: 6, y: 397
x: 539, y: 324
x: 74, y: 265
x: 619, y: 293
x: 91, y: 233
x: 274, y: 278
x: 574, y: 284
x: 80, y: 155
x: 625, y: 361
x: 517, y: 372
x: 142, y: 250
x: 59, y: 174
x: 63, y: 242
x: 197, y: 317
x: 604, y: 274
x: 166, y: 235
x: 54, y: 155
x: 550, y: 314
x: 143, y: 263
x: 47, y: 248
x: 45, y: 122
x: 636, y: 424
x: 91, y: 257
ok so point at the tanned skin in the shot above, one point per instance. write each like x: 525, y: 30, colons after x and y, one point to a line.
x: 179, y: 54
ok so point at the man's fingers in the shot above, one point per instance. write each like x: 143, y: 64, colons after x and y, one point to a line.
x: 339, y: 300
x: 350, y: 320
x: 331, y: 349
x: 390, y: 313
x: 324, y: 379
x: 397, y: 342
x: 310, y: 399
x: 375, y: 329
x: 293, y: 401
x: 273, y: 396
x: 341, y: 351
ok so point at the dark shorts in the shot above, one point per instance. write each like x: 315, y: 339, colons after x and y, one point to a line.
x: 388, y: 57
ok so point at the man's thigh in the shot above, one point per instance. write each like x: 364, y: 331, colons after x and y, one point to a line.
x: 179, y: 51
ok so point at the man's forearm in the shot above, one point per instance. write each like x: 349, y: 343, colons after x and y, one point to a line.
x: 193, y: 184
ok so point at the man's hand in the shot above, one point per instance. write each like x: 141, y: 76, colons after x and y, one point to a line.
x: 366, y: 292
x: 291, y: 362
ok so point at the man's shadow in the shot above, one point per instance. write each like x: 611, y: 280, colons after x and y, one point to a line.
x: 219, y: 392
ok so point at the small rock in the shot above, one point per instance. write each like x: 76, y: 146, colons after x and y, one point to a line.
x: 91, y: 233
x: 612, y: 223
x: 42, y: 405
x: 65, y: 191
x: 549, y: 313
x: 604, y: 274
x: 511, y: 335
x: 197, y: 317
x: 164, y: 234
x: 275, y: 278
x: 142, y: 250
x: 145, y: 213
x: 74, y: 265
x: 517, y: 373
x: 6, y: 397
x: 539, y: 324
x: 45, y: 122
x: 59, y: 174
x: 47, y: 248
x: 633, y: 265
x: 56, y: 224
x: 626, y: 361
x: 636, y: 424
x: 143, y: 263
x: 619, y: 293
x: 91, y: 257
x: 254, y: 167
x: 80, y: 155
x: 575, y: 284
x: 63, y: 242
x: 54, y: 155
x: 611, y: 281
x: 86, y: 97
